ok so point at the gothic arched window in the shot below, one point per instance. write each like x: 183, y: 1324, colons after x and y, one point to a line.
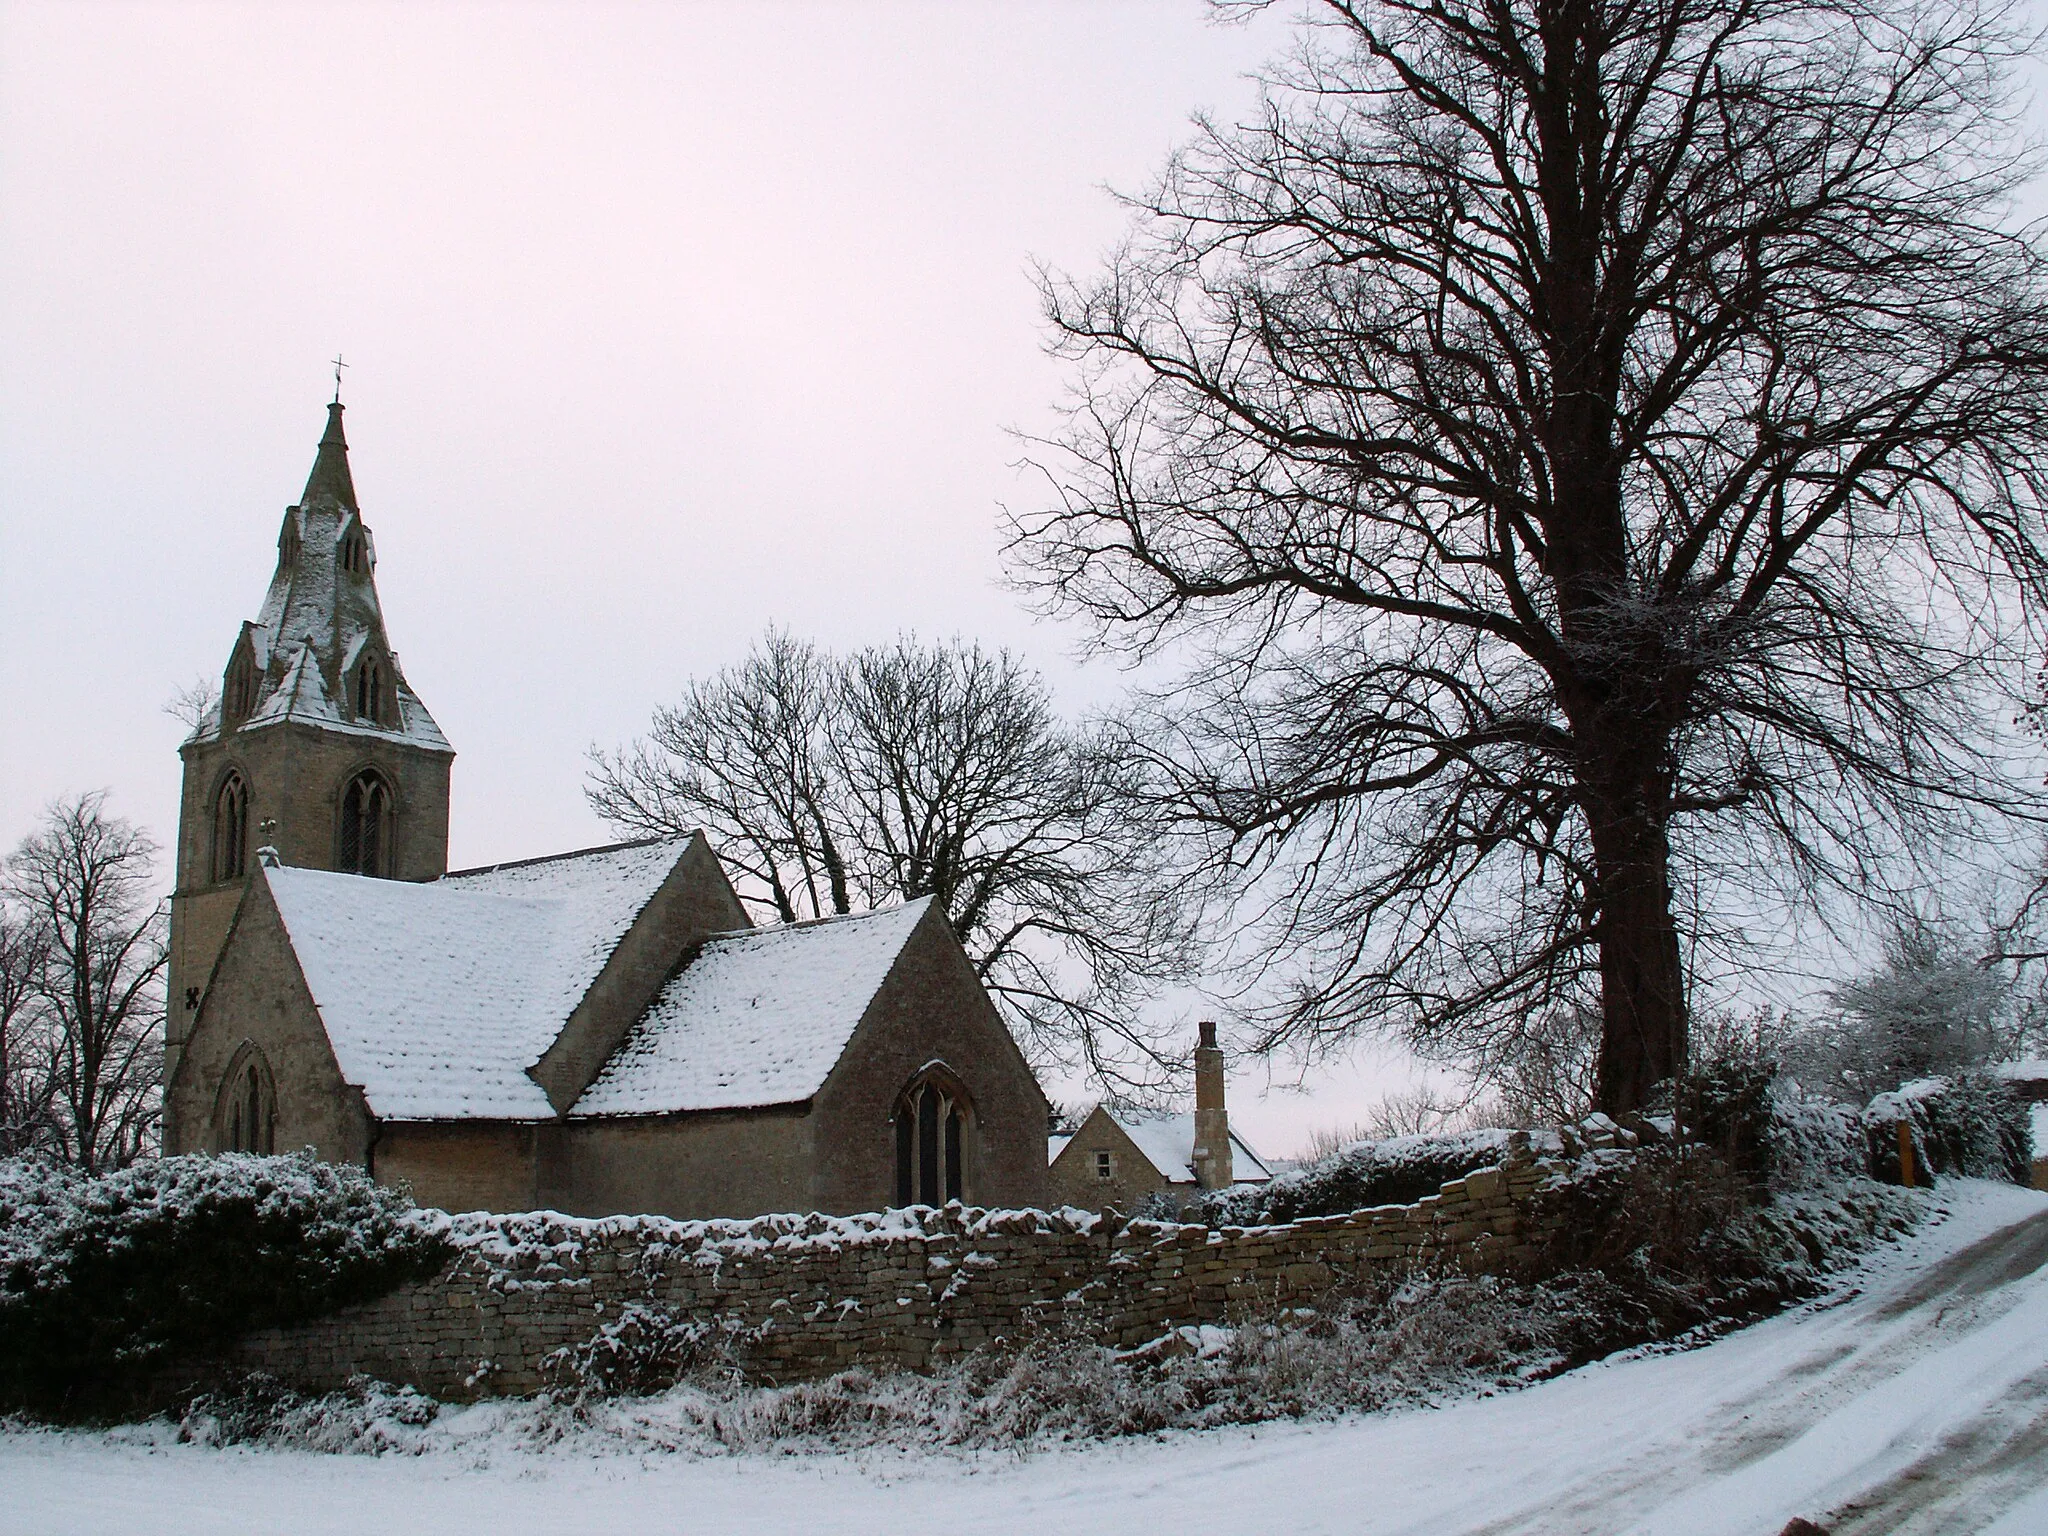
x: 931, y: 1138
x: 231, y: 829
x: 364, y: 845
x: 247, y: 1113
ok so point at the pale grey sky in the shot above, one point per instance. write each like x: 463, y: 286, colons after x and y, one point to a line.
x: 663, y: 323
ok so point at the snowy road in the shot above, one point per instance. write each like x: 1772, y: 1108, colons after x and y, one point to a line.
x: 1916, y: 1402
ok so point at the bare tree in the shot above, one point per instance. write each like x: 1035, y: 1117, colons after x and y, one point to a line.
x: 747, y: 756
x: 25, y: 1083
x: 192, y: 702
x: 928, y: 770
x: 84, y: 879
x: 1594, y: 453
x: 1931, y: 1007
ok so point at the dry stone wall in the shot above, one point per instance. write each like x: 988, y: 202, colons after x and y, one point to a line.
x: 785, y: 1298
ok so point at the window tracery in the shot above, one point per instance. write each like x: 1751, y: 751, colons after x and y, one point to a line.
x: 931, y: 1138
x: 248, y: 1106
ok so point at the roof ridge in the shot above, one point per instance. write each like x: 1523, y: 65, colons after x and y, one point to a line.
x: 574, y: 853
x: 830, y: 917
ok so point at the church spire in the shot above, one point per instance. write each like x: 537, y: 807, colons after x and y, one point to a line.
x: 330, y: 477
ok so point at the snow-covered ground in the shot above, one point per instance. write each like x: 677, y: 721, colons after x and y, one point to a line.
x: 1913, y: 1398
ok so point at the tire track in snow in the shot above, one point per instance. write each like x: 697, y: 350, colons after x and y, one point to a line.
x: 1982, y: 1465
x: 1981, y: 1469
x: 1964, y: 1292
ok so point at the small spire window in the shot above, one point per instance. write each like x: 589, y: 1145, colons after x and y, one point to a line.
x: 370, y: 691
x: 367, y: 824
x: 355, y: 552
x: 230, y: 853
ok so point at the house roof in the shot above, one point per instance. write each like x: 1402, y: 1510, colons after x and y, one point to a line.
x: 755, y: 1018
x: 438, y: 997
x: 1168, y: 1142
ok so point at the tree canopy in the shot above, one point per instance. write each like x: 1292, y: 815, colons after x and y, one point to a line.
x: 1593, y: 453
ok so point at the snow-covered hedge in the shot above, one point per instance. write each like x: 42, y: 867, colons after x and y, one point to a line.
x: 102, y: 1280
x: 1972, y: 1125
x: 1811, y: 1142
x: 1398, y: 1171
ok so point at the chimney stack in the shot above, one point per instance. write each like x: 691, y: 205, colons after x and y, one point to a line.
x: 1212, y: 1159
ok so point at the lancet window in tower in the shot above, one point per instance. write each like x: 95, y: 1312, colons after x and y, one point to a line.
x: 366, y: 827
x: 230, y: 855
x: 931, y: 1133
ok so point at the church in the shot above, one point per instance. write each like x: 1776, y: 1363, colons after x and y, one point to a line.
x: 598, y: 1032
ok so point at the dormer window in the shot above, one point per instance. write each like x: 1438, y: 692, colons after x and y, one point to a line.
x: 238, y: 692
x: 355, y: 552
x: 371, y: 691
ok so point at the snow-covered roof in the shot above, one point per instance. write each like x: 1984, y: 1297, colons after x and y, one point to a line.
x: 2034, y: 1071
x: 1054, y: 1146
x: 755, y: 1018
x: 1168, y: 1142
x: 438, y: 997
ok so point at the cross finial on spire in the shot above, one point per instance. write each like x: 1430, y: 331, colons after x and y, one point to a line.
x: 338, y: 366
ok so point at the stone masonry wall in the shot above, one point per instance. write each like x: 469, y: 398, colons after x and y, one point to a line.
x: 792, y: 1297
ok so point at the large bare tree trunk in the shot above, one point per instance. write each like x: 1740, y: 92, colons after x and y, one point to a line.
x: 1642, y: 980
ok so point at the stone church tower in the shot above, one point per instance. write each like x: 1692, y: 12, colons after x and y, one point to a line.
x: 318, y: 748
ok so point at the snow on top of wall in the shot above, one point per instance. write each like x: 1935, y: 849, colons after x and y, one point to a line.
x: 438, y: 997
x: 1168, y: 1142
x: 756, y: 1018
